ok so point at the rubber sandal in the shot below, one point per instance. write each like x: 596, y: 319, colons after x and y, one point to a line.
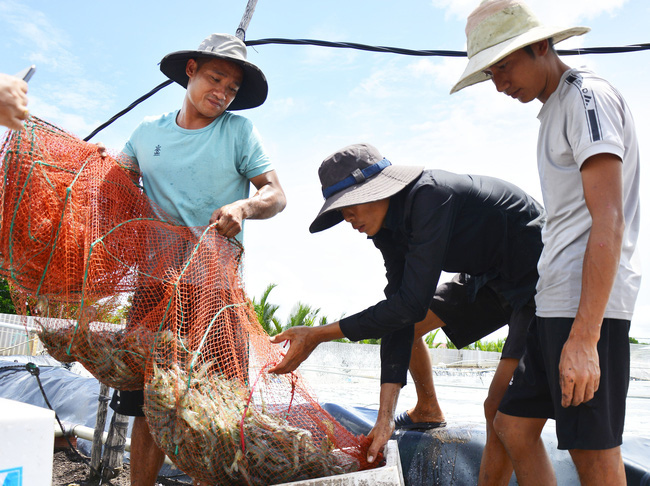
x: 403, y: 421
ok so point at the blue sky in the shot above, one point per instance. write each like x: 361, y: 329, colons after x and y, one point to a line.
x: 95, y: 58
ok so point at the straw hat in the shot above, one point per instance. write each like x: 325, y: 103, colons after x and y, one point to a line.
x: 357, y: 174
x: 496, y: 29
x: 254, y: 87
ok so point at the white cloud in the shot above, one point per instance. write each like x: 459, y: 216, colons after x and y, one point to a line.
x: 376, y: 85
x: 442, y: 72
x: 71, y: 99
x: 458, y: 9
x: 284, y: 107
x: 568, y: 13
x: 335, y: 58
x: 41, y: 41
x: 73, y: 122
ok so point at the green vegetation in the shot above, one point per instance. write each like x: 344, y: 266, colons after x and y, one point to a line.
x: 479, y: 345
x: 496, y: 346
x: 6, y: 305
x: 301, y: 314
x: 266, y: 312
x: 120, y: 313
x: 636, y: 341
x: 430, y: 339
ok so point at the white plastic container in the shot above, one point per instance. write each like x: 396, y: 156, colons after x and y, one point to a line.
x: 27, y: 445
x: 387, y: 475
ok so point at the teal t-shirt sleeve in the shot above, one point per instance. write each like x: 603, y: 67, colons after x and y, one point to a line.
x: 254, y: 160
x: 130, y: 162
x: 129, y: 149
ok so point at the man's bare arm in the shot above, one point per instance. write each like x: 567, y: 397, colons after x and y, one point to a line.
x: 268, y: 200
x: 602, y: 180
x: 385, y: 425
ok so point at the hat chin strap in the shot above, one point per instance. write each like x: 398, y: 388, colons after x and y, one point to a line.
x: 357, y: 177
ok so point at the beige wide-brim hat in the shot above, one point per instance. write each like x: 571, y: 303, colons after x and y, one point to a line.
x: 496, y: 29
x: 254, y: 88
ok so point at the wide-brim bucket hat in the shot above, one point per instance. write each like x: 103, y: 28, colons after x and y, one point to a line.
x: 357, y: 174
x: 254, y: 88
x: 496, y: 29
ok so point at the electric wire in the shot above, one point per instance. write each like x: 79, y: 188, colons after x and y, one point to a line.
x: 364, y: 47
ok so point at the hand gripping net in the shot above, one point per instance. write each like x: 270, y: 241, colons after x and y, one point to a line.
x: 79, y: 239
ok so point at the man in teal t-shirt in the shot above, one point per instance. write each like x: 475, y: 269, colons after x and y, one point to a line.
x: 189, y: 173
x: 197, y: 164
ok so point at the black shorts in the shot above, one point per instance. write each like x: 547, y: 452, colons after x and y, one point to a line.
x: 467, y: 320
x: 535, y: 388
x: 128, y: 403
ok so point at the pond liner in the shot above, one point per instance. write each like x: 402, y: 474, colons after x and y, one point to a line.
x: 452, y: 455
x: 448, y: 456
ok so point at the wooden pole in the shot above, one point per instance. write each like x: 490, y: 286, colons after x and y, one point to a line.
x: 246, y: 19
x: 113, y: 457
x: 100, y: 423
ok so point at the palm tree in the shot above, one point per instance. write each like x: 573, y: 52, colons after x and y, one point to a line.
x: 266, y: 312
x: 302, y: 315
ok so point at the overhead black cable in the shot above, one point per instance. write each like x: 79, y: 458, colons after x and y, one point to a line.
x: 363, y: 47
x: 128, y: 108
x: 603, y: 50
x: 443, y: 53
x: 354, y: 45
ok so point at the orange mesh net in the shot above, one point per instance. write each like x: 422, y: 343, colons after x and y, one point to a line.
x: 79, y: 239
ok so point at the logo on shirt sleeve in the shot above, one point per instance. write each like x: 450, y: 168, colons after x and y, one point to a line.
x: 591, y: 110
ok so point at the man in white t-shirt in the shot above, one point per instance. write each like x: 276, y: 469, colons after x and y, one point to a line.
x: 197, y: 164
x: 576, y: 365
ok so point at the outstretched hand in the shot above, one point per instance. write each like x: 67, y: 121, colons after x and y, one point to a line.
x: 303, y: 341
x: 385, y: 424
x: 380, y: 435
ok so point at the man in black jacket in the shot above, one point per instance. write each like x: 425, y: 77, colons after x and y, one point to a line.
x: 486, y: 230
